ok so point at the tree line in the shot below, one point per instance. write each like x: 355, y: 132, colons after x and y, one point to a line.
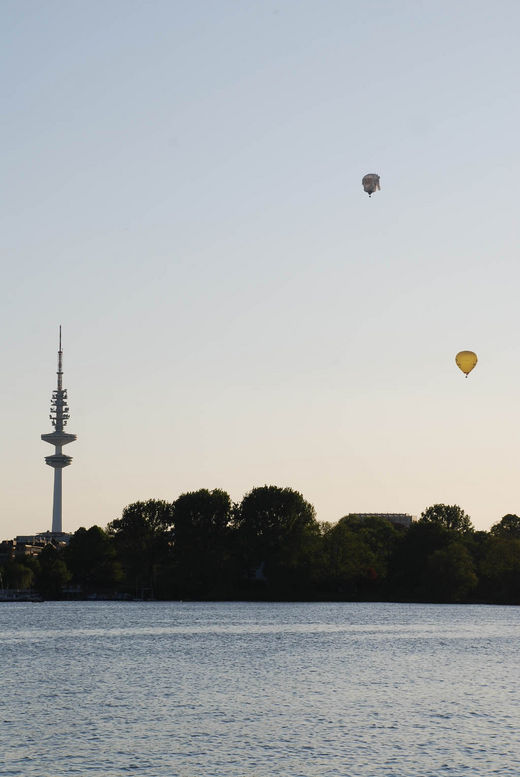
x: 270, y: 546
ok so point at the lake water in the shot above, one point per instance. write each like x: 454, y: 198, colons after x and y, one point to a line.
x: 173, y: 689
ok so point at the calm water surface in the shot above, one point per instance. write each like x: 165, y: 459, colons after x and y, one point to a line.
x: 106, y: 689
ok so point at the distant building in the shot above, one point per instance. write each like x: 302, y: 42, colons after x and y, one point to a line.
x: 398, y: 519
x: 44, y: 538
x: 21, y: 547
x: 31, y: 545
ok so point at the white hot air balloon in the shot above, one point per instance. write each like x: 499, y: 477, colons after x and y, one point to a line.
x: 371, y: 183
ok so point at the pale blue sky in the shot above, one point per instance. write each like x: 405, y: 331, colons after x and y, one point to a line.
x: 182, y: 192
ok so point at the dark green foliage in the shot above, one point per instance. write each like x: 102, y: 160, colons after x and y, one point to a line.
x: 451, y: 517
x: 347, y: 561
x: 202, y: 544
x: 450, y: 574
x: 408, y: 565
x: 52, y: 574
x: 16, y: 574
x: 270, y: 546
x: 382, y: 537
x: 276, y: 537
x: 508, y: 526
x: 500, y: 569
x: 91, y: 559
x: 142, y: 539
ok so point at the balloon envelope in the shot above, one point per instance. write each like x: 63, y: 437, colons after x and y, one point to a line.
x: 370, y: 183
x: 466, y: 360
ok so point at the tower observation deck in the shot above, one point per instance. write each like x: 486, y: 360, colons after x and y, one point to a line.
x: 59, y: 416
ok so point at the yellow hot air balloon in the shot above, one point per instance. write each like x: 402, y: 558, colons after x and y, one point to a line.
x: 466, y: 360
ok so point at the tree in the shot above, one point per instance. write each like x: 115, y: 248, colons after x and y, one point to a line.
x: 450, y: 573
x: 17, y: 575
x: 201, y: 548
x: 53, y: 573
x: 91, y: 558
x: 382, y: 537
x: 508, y: 526
x: 500, y: 569
x: 409, y: 560
x: 142, y: 538
x: 452, y: 517
x: 277, y: 534
x: 347, y: 560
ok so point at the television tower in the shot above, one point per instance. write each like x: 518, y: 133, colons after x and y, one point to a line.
x: 59, y: 417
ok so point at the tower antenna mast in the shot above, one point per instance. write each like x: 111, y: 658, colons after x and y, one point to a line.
x: 59, y: 416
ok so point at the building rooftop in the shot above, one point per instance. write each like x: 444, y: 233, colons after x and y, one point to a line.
x: 401, y: 519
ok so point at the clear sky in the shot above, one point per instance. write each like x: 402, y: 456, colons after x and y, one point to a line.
x: 181, y: 191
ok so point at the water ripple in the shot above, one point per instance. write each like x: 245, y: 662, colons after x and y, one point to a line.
x: 258, y: 690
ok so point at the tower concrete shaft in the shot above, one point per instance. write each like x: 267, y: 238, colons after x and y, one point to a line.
x: 59, y: 416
